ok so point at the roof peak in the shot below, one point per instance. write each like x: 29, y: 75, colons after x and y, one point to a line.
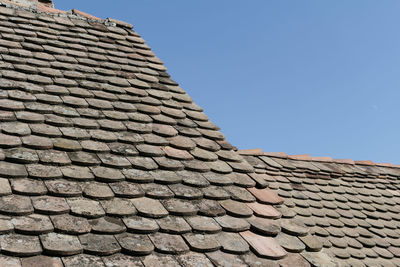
x: 306, y: 157
x: 47, y: 7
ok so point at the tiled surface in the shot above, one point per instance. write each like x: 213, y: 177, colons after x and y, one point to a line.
x: 106, y: 161
x: 351, y: 209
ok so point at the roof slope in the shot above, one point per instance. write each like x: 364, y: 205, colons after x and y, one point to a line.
x: 105, y: 160
x: 352, y: 208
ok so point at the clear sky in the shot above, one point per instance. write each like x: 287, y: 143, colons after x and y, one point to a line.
x: 303, y: 77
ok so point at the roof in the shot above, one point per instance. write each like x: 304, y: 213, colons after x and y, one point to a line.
x: 352, y: 208
x: 106, y: 161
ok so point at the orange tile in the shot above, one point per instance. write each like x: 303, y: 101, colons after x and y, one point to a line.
x: 84, y: 14
x: 251, y: 152
x: 264, y: 246
x: 300, y: 157
x: 276, y: 154
x: 266, y: 196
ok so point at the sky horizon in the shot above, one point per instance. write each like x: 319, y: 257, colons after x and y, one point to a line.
x: 301, y: 77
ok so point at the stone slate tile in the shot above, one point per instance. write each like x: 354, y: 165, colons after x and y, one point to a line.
x: 21, y: 155
x: 8, y: 141
x: 159, y: 259
x: 294, y: 259
x: 54, y: 157
x: 66, y: 144
x: 232, y: 243
x: 78, y: 173
x: 85, y: 207
x: 167, y: 243
x: 69, y: 224
x: 236, y: 208
x: 122, y: 260
x: 33, y: 224
x: 5, y: 188
x: 140, y: 225
x: 16, y: 205
x: 264, y: 226
x: 96, y: 190
x: 202, y: 242
x: 28, y: 187
x: 180, y: 207
x: 83, y: 260
x: 166, y: 177
x: 60, y: 244
x: 149, y: 207
x: 173, y: 225
x: 37, y: 142
x: 63, y: 188
x: 101, y: 245
x: 219, y: 258
x: 139, y: 176
x: 42, y: 261
x: 216, y: 193
x: 20, y: 245
x: 194, y: 259
x: 107, y: 225
x: 118, y: 207
x: 50, y: 205
x: 158, y: 191
x: 232, y: 224
x: 186, y: 192
x: 84, y: 158
x: 290, y: 243
x: 203, y: 224
x: 210, y: 208
x: 136, y: 244
x: 294, y: 227
x: 94, y: 146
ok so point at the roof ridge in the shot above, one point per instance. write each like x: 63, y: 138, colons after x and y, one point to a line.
x: 73, y: 13
x: 306, y: 157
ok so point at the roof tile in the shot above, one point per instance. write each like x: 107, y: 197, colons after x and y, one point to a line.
x: 21, y: 245
x: 60, y: 244
x: 264, y: 246
x: 171, y: 244
x: 99, y: 244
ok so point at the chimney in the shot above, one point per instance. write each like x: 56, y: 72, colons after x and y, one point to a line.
x: 34, y: 3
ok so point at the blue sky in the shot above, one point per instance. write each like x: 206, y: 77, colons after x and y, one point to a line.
x: 302, y: 77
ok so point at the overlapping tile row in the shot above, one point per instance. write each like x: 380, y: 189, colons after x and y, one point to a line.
x: 106, y: 161
x: 351, y: 208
